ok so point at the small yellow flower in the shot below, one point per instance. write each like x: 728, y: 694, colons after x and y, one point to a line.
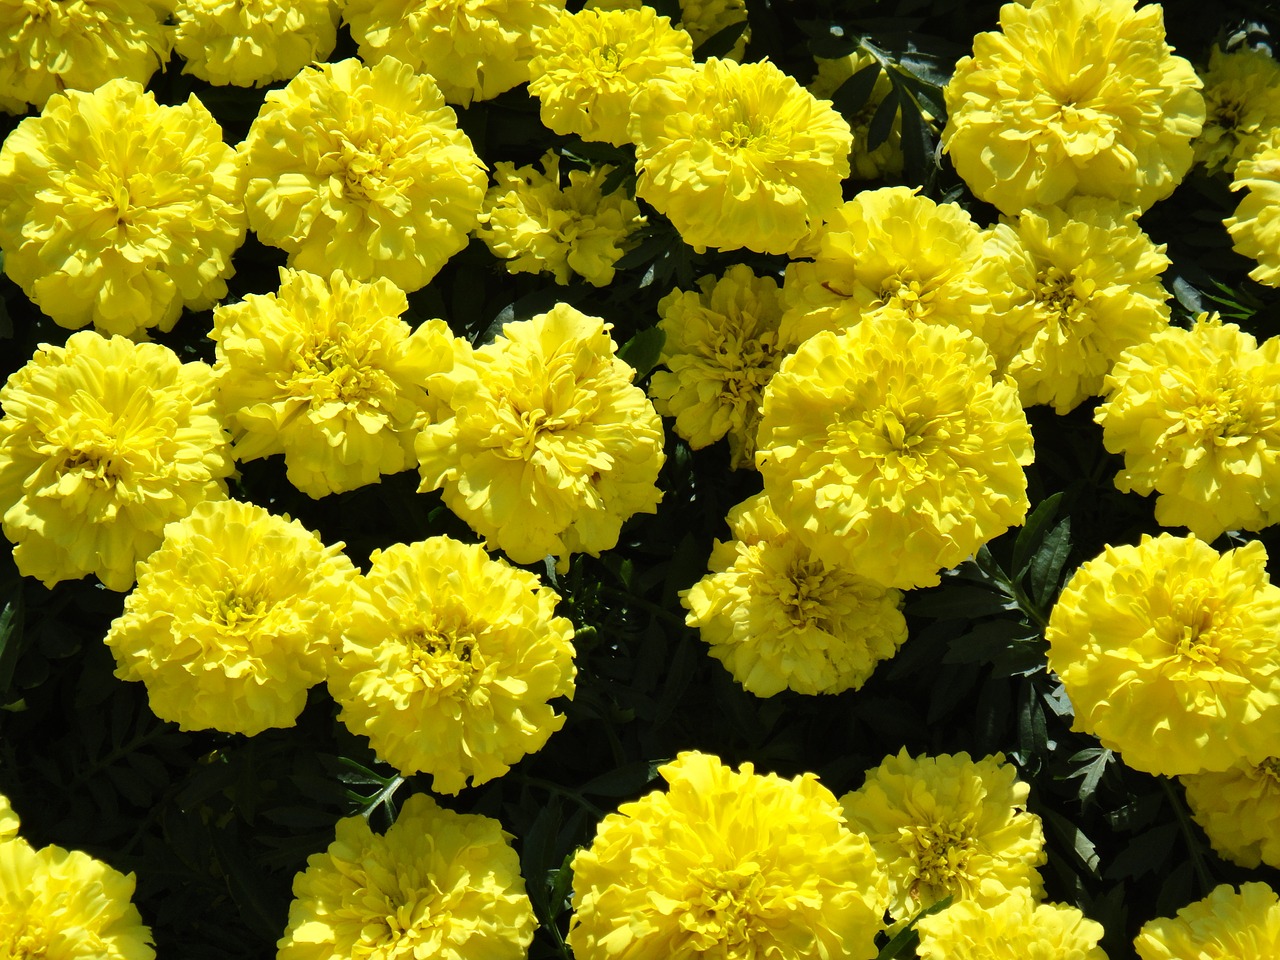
x: 1239, y: 810
x: 1242, y: 107
x: 1014, y: 928
x: 701, y: 19
x: 254, y: 43
x: 1255, y: 225
x: 8, y: 820
x: 865, y: 164
x: 1225, y: 925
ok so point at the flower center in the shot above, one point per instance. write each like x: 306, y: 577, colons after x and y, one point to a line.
x: 802, y: 594
x: 406, y: 931
x: 334, y: 370
x: 1061, y: 298
x: 745, y: 365
x: 726, y: 908
x: 940, y: 851
x: 741, y: 134
x: 239, y: 610
x: 445, y: 661
x: 911, y: 296
x: 1196, y: 638
x: 1224, y: 418
x: 23, y: 937
x: 1269, y: 770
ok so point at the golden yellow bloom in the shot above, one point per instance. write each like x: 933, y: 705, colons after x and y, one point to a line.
x: 540, y: 227
x: 701, y: 19
x: 51, y: 46
x: 102, y: 443
x: 474, y: 49
x: 1170, y: 653
x: 1073, y: 97
x: 590, y: 64
x: 721, y: 348
x: 728, y: 864
x: 1255, y: 225
x: 1197, y: 416
x: 438, y: 884
x: 1013, y: 928
x: 545, y: 447
x: 1239, y: 810
x: 449, y: 660
x: 1081, y: 284
x: 738, y: 155
x: 363, y: 170
x: 1242, y: 107
x: 778, y: 618
x: 234, y: 617
x: 127, y: 241
x: 64, y: 903
x: 865, y: 164
x: 254, y: 43
x: 325, y: 372
x: 948, y: 826
x: 1225, y: 925
x: 8, y: 820
x: 889, y: 450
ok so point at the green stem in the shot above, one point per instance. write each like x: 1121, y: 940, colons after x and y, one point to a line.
x: 1189, y: 835
x: 382, y: 796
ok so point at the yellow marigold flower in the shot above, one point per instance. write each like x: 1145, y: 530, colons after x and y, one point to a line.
x: 475, y: 49
x: 51, y: 46
x: 948, y: 826
x: 545, y: 447
x: 701, y: 19
x: 1081, y: 284
x: 738, y: 155
x: 234, y: 617
x: 102, y: 443
x: 1170, y: 653
x: 590, y: 64
x: 437, y: 884
x: 1255, y: 225
x: 865, y: 164
x: 1196, y: 414
x: 721, y: 348
x: 1239, y: 809
x: 325, y: 372
x: 364, y: 170
x: 64, y: 903
x: 127, y: 241
x: 1242, y: 107
x: 731, y: 864
x: 8, y: 820
x: 540, y: 227
x: 1013, y: 928
x: 252, y: 44
x: 449, y: 661
x: 888, y: 449
x: 778, y: 618
x: 1225, y: 925
x: 1073, y: 97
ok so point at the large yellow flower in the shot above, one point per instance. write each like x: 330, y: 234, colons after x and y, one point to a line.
x: 948, y: 826
x: 438, y: 884
x: 1239, y: 809
x: 889, y: 450
x: 475, y: 49
x: 1255, y: 225
x: 450, y: 660
x: 865, y: 164
x: 780, y: 619
x: 545, y: 447
x: 1014, y: 928
x: 102, y: 443
x: 1073, y: 97
x: 729, y: 864
x: 127, y: 241
x: 738, y: 155
x: 1242, y: 107
x: 1225, y: 925
x: 253, y: 43
x: 1170, y: 653
x: 233, y: 619
x: 325, y: 372
x: 362, y: 169
x: 1197, y: 416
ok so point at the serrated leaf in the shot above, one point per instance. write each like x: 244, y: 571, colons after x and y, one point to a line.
x: 1032, y: 533
x: 956, y: 603
x: 852, y: 95
x: 1075, y: 840
x: 985, y: 642
x: 882, y: 121
x: 1045, y: 568
x: 643, y: 351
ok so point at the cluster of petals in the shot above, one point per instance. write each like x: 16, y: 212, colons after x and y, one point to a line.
x: 701, y: 19
x: 1255, y: 224
x: 252, y: 44
x: 1015, y: 927
x: 1239, y: 811
x: 1225, y: 925
x: 1242, y: 107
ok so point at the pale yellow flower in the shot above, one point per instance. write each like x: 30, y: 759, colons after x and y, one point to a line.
x: 1225, y: 925
x: 1239, y: 810
x: 251, y: 43
x: 1014, y: 928
x: 1242, y: 107
x: 1255, y: 225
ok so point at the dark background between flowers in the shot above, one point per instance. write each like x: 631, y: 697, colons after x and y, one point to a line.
x: 215, y: 826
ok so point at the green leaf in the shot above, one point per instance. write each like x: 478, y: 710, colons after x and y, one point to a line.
x: 1074, y: 839
x: 1093, y: 763
x: 625, y: 781
x: 1032, y: 533
x: 643, y: 351
x: 1045, y: 569
x: 986, y: 642
x: 907, y: 938
x: 1147, y: 853
x: 957, y: 603
x: 720, y: 42
x: 852, y: 95
x: 882, y: 122
x: 11, y: 633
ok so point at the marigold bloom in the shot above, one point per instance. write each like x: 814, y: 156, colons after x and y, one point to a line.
x: 725, y: 863
x: 129, y: 240
x: 1255, y: 225
x: 1239, y: 810
x: 721, y: 348
x: 1225, y: 925
x: 865, y: 164
x: 1013, y: 928
x: 474, y: 49
x: 437, y: 884
x: 234, y: 617
x: 701, y: 19
x: 545, y: 447
x: 252, y: 44
x: 8, y: 820
x: 1197, y: 416
x: 889, y: 450
x: 1073, y: 97
x: 364, y: 170
x: 102, y: 443
x: 540, y: 227
x: 738, y: 155
x: 1242, y: 107
x: 449, y: 660
x: 1170, y: 653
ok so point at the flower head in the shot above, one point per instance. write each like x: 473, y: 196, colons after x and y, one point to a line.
x: 885, y: 160
x: 1073, y: 97
x: 450, y: 660
x: 1225, y: 925
x: 8, y: 820
x: 127, y: 241
x: 730, y: 864
x: 362, y: 169
x: 253, y: 43
x: 102, y: 443
x: 1255, y: 225
x: 738, y: 155
x: 1239, y: 810
x: 1013, y: 928
x: 437, y: 884
x: 1242, y: 107
x: 701, y: 19
x: 1170, y: 653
